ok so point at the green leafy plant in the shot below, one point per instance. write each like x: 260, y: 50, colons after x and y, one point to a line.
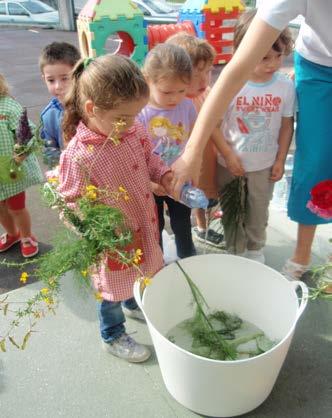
x: 219, y: 335
x: 233, y: 205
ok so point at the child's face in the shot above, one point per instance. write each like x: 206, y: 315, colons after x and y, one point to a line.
x: 167, y: 93
x: 57, y: 79
x: 200, y: 80
x: 269, y: 65
x: 104, y: 121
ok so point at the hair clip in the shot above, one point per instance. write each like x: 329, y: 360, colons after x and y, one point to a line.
x: 87, y: 61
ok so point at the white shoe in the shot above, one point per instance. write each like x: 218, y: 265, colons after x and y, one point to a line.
x: 294, y: 271
x: 256, y: 255
x: 128, y: 349
x: 133, y: 313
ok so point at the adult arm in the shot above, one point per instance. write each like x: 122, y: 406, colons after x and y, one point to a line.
x: 254, y: 46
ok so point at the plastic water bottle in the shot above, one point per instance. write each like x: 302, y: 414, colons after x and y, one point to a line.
x: 282, y: 187
x: 193, y: 197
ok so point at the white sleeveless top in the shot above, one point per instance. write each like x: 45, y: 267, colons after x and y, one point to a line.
x: 314, y: 42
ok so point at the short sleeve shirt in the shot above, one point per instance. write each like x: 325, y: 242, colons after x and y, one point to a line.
x: 314, y: 42
x: 169, y: 129
x: 253, y: 120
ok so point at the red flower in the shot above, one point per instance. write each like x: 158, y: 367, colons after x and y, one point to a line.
x: 321, y: 199
x: 321, y: 195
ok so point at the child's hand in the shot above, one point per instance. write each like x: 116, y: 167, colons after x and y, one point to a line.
x: 166, y: 182
x: 158, y: 189
x: 234, y: 165
x: 277, y: 171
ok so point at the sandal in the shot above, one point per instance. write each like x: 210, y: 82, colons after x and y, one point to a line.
x: 211, y: 237
x: 294, y: 271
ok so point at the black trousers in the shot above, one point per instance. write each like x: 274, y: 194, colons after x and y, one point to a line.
x: 180, y: 223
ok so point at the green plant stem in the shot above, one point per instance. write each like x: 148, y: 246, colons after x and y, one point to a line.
x: 227, y: 349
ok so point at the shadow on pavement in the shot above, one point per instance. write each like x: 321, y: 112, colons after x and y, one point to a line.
x: 10, y: 276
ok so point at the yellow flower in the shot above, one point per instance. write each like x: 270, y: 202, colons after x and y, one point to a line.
x: 91, y: 148
x: 91, y: 192
x: 98, y: 296
x: 84, y: 273
x: 44, y: 291
x: 91, y: 195
x: 48, y: 301
x: 146, y: 281
x: 91, y: 188
x: 122, y: 189
x: 121, y: 123
x: 53, y: 180
x: 137, y: 256
x: 24, y: 277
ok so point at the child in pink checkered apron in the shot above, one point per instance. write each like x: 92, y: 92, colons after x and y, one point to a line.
x: 107, y: 90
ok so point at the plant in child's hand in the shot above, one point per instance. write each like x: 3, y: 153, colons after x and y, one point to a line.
x: 26, y: 143
x: 100, y: 232
x: 97, y: 231
x: 233, y: 205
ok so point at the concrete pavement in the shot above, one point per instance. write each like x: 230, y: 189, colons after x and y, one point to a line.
x: 64, y: 373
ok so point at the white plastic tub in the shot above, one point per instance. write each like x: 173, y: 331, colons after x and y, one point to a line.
x: 257, y: 294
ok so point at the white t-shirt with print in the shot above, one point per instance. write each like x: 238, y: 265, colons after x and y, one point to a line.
x: 253, y: 120
x: 314, y: 42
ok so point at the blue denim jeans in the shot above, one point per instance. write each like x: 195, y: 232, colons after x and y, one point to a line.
x: 112, y: 319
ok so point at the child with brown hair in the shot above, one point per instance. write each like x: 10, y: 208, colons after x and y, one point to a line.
x: 169, y: 117
x: 56, y: 63
x: 107, y: 93
x: 14, y: 216
x: 202, y: 56
x: 258, y: 129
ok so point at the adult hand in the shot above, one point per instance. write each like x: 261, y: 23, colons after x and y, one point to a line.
x: 186, y: 169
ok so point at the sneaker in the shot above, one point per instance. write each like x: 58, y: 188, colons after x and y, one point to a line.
x: 29, y: 247
x: 7, y: 241
x: 256, y: 255
x: 133, y: 313
x: 212, y: 237
x: 128, y: 349
x: 294, y: 271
